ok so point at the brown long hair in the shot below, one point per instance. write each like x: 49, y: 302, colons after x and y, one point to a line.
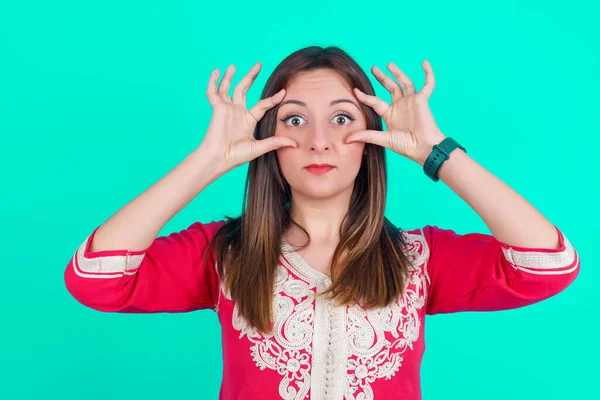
x: 369, y: 264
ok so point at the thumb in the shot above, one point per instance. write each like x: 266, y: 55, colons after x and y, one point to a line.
x: 273, y: 143
x: 381, y: 138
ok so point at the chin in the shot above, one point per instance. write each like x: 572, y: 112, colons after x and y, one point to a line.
x: 322, y: 190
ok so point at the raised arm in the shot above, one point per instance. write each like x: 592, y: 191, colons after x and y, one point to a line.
x: 123, y: 267
x: 477, y: 272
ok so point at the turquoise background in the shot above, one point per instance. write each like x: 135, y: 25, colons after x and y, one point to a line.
x: 98, y: 100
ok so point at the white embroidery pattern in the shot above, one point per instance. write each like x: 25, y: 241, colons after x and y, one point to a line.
x: 371, y: 354
x: 105, y: 267
x: 342, y: 367
x: 288, y: 349
x: 544, y: 262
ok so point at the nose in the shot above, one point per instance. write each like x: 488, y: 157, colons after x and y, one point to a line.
x: 319, y: 139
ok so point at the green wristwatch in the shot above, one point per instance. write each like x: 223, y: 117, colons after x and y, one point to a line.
x: 440, y: 153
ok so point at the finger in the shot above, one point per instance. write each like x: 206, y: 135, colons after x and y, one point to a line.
x: 239, y: 93
x: 427, y: 89
x: 211, y: 90
x: 263, y: 146
x: 259, y: 110
x: 223, y: 89
x: 374, y: 102
x: 403, y: 79
x: 387, y: 83
x: 381, y: 138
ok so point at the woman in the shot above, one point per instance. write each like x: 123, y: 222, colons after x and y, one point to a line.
x: 318, y: 294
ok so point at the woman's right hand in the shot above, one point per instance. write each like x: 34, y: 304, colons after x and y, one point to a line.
x: 230, y: 135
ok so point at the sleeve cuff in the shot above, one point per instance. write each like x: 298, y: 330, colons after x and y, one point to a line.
x: 106, y: 263
x: 540, y: 261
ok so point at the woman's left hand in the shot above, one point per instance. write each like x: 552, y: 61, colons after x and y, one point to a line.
x: 412, y: 130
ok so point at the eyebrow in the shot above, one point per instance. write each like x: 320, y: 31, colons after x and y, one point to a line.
x: 333, y: 102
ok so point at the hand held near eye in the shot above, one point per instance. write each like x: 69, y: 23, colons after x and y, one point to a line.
x: 228, y: 142
x: 230, y: 136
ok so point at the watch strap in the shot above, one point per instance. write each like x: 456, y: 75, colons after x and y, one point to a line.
x: 440, y: 153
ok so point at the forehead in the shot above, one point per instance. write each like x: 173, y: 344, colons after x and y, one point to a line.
x: 317, y: 83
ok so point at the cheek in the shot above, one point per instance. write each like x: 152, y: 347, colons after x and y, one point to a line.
x: 287, y: 160
x: 352, y: 159
x: 355, y: 152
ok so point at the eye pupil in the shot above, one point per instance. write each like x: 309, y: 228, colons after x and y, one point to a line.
x: 341, y: 119
x: 295, y: 119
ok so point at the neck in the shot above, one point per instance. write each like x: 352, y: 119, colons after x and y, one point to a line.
x: 320, y: 217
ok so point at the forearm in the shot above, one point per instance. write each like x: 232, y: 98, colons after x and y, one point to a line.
x: 137, y: 224
x: 510, y: 218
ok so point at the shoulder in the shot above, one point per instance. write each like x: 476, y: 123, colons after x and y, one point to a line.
x: 202, y: 229
x: 209, y: 226
x: 416, y: 244
x: 421, y: 241
x: 192, y: 235
x: 433, y: 235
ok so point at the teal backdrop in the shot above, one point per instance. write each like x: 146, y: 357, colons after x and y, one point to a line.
x: 98, y: 100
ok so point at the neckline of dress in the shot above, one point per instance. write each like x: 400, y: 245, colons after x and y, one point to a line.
x: 302, y: 265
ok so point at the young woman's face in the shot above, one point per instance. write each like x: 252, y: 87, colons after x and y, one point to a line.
x: 319, y: 111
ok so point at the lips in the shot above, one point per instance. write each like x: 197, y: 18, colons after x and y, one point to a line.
x: 319, y: 169
x: 319, y: 165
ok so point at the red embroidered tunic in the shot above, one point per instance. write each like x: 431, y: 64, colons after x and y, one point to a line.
x: 318, y: 350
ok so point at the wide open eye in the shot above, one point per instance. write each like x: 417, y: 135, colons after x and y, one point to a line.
x: 344, y: 117
x: 293, y: 118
